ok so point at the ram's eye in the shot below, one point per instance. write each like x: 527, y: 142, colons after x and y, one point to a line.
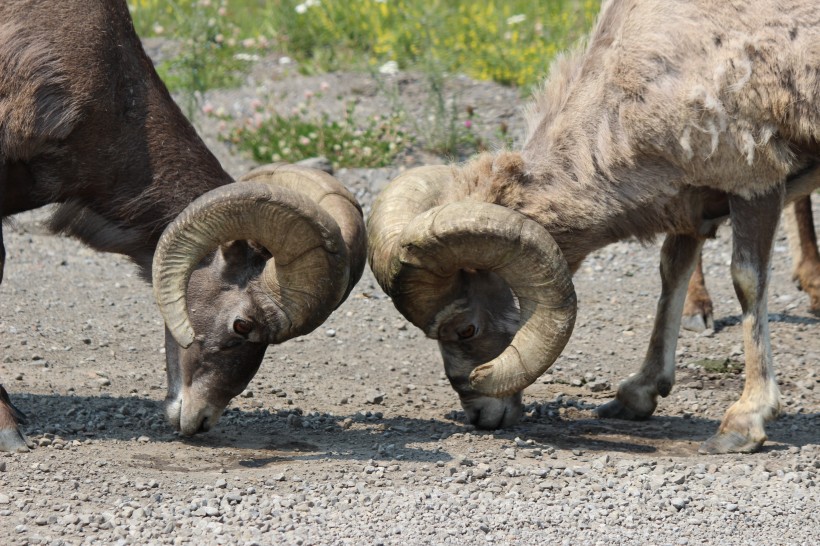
x: 467, y: 332
x: 242, y: 327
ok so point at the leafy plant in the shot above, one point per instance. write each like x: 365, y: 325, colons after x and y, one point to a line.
x: 271, y: 137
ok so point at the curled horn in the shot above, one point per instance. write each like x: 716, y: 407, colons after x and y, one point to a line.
x: 419, y: 242
x: 306, y: 219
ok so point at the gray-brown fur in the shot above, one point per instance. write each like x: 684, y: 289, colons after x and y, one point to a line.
x: 673, y: 116
x: 670, y: 114
x: 86, y: 123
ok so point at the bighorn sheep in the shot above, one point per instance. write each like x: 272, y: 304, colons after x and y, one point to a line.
x: 799, y: 223
x: 674, y: 116
x: 86, y: 122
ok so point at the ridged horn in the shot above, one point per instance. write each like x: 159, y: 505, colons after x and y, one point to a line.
x: 309, y: 273
x: 418, y: 246
x: 333, y: 197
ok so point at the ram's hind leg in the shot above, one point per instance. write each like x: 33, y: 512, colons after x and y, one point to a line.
x: 754, y: 223
x: 638, y: 396
x: 799, y: 222
x: 697, y: 309
x: 11, y: 436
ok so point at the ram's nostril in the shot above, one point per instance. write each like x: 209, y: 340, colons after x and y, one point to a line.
x: 205, y: 425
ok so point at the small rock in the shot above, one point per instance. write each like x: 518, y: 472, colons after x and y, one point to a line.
x: 221, y: 483
x: 679, y: 503
x: 294, y: 420
x: 731, y: 507
x: 375, y: 398
x: 330, y: 332
x: 598, y: 386
x: 464, y: 461
x: 4, y: 499
x: 2, y: 466
x: 247, y: 394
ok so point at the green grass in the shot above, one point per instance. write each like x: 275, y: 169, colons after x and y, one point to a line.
x: 271, y: 137
x: 507, y: 41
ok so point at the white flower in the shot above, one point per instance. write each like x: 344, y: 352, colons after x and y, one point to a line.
x: 247, y: 57
x: 516, y: 19
x: 303, y: 7
x: 389, y: 68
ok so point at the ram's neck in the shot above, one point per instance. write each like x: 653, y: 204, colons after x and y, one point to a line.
x: 586, y: 204
x: 127, y: 170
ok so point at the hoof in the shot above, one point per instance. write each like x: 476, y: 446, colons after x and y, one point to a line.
x: 13, y: 440
x: 615, y: 409
x: 697, y: 322
x: 729, y: 442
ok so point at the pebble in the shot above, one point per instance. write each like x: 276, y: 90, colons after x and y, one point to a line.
x: 679, y: 503
x: 374, y: 398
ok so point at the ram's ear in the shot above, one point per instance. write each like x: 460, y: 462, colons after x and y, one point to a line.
x: 235, y: 252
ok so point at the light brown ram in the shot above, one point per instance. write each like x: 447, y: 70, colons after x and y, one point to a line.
x: 86, y: 122
x: 673, y: 116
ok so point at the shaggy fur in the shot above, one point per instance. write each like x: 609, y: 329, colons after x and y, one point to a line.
x: 111, y: 145
x: 666, y: 109
x: 673, y: 116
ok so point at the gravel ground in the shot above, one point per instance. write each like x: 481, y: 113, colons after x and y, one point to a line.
x: 352, y: 435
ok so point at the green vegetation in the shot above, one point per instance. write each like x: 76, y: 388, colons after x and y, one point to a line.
x: 271, y: 137
x: 726, y: 365
x: 508, y: 41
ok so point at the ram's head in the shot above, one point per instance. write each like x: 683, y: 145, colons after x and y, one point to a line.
x: 248, y: 265
x: 486, y: 282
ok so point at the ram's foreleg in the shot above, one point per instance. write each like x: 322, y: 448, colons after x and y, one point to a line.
x: 754, y: 222
x: 2, y: 252
x: 638, y: 396
x: 799, y: 223
x: 3, y: 184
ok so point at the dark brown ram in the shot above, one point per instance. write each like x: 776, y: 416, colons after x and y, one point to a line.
x: 86, y: 122
x: 673, y: 116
